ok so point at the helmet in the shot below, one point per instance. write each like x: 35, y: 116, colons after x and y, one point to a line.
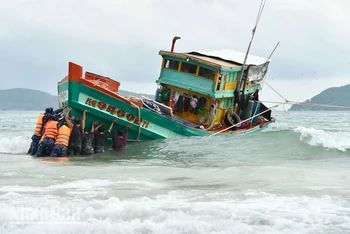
x: 47, y: 117
x: 54, y: 117
x: 49, y: 110
x: 61, y: 123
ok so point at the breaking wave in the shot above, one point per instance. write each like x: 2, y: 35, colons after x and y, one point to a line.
x: 14, y: 145
x: 315, y: 137
x: 177, y: 212
x: 327, y: 139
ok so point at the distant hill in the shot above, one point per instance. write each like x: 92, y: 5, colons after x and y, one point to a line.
x: 26, y: 99
x: 29, y: 99
x: 337, y: 96
x: 127, y: 93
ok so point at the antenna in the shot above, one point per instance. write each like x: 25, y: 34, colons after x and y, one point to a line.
x: 238, y: 87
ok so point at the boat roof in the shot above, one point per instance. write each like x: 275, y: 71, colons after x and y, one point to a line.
x: 220, y: 58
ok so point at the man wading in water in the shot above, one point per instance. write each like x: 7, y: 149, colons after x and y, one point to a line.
x: 88, y: 139
x: 120, y: 137
x: 101, y: 137
x: 76, y: 138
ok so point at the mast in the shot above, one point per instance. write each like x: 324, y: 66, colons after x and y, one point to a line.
x: 240, y: 81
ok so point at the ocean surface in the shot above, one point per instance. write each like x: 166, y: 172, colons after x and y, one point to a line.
x: 293, y: 177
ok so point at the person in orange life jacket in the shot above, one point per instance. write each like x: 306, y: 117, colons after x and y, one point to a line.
x: 40, y: 127
x: 119, y: 138
x: 48, y: 138
x: 49, y: 112
x: 62, y: 139
x: 101, y: 137
x: 75, y: 142
x: 88, y: 139
x: 38, y: 131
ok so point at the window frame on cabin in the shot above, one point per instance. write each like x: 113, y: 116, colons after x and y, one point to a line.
x: 167, y: 64
x: 210, y: 74
x: 189, y: 68
x: 204, y: 69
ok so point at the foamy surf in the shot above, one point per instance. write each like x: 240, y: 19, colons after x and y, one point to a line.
x: 268, y: 182
x: 178, y: 212
x: 330, y: 140
x: 14, y: 145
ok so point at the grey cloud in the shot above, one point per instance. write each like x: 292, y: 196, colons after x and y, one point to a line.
x: 121, y: 39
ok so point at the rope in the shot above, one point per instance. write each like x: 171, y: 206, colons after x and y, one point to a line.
x: 139, y: 114
x: 285, y: 100
x: 243, y: 121
x: 139, y: 132
x: 261, y: 8
x: 303, y: 103
x: 263, y: 83
x: 276, y: 91
x: 319, y: 105
x: 308, y: 104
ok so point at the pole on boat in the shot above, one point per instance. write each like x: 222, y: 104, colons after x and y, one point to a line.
x: 173, y: 43
x: 273, y: 51
x: 239, y: 85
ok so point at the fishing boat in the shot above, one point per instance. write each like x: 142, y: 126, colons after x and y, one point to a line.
x: 198, y: 94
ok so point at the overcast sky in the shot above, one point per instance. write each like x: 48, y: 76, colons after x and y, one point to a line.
x: 121, y: 39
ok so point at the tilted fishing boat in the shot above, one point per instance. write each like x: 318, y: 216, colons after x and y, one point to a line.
x: 198, y: 94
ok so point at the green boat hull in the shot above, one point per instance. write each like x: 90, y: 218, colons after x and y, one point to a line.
x: 146, y: 124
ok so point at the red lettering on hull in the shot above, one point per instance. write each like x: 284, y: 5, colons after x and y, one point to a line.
x: 118, y: 112
x: 101, y: 105
x: 121, y: 113
x: 130, y: 117
x: 112, y: 110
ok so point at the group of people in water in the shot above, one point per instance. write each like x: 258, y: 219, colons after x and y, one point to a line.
x: 59, y: 135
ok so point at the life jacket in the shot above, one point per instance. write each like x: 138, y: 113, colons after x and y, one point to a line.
x: 39, y: 125
x: 51, y: 129
x: 63, y: 136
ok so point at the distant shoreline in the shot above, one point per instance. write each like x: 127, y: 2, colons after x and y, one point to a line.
x: 20, y: 99
x: 22, y: 110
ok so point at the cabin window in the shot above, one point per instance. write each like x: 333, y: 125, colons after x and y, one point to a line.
x: 171, y: 64
x: 188, y: 68
x: 207, y: 73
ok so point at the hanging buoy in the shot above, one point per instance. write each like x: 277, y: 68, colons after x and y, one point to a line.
x: 231, y: 118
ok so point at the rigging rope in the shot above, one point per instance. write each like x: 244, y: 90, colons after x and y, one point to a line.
x: 263, y: 83
x: 276, y: 91
x: 261, y: 8
x: 302, y: 103
x: 309, y: 104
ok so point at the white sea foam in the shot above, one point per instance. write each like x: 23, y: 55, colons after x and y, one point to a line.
x: 14, y: 145
x: 189, y: 185
x: 95, y: 184
x: 17, y: 188
x: 82, y: 184
x: 330, y: 140
x: 178, y: 213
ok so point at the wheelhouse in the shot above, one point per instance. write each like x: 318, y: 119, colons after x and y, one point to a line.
x: 201, y: 87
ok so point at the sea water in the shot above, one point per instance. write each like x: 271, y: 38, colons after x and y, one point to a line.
x: 293, y: 177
